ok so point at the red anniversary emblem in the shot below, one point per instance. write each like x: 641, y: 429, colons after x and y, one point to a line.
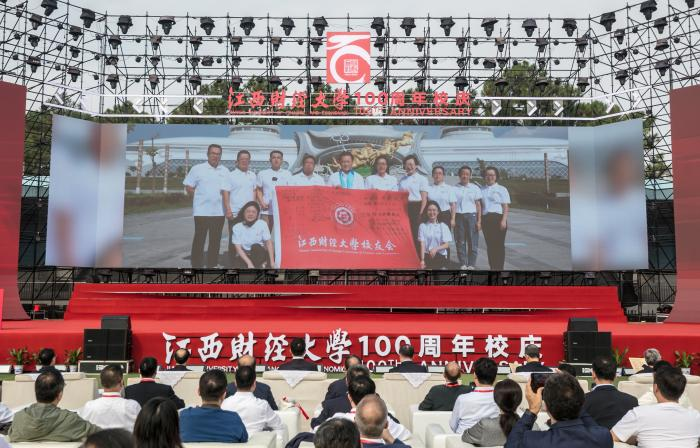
x: 343, y: 215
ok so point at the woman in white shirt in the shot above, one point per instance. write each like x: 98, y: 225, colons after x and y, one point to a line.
x: 434, y: 238
x: 444, y: 195
x: 381, y: 179
x: 252, y: 241
x: 494, y: 219
x: 417, y: 187
x: 467, y: 219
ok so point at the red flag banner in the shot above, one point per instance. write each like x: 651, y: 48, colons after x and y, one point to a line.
x: 333, y: 228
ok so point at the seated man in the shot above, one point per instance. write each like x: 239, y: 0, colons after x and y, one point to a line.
x: 651, y: 357
x: 604, y: 403
x: 6, y: 416
x: 339, y: 404
x: 569, y: 428
x: 339, y: 387
x: 148, y: 388
x: 664, y: 424
x: 650, y: 398
x: 111, y: 410
x: 472, y: 407
x: 208, y: 422
x: 46, y: 360
x: 373, y: 423
x: 337, y: 433
x: 298, y: 349
x: 44, y: 420
x: 566, y: 367
x: 532, y: 361
x: 181, y: 356
x: 407, y: 365
x: 262, y: 390
x: 443, y: 397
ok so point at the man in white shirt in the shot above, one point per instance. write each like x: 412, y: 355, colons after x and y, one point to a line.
x: 111, y: 410
x: 417, y: 187
x: 467, y: 219
x: 267, y: 181
x: 479, y: 403
x: 307, y: 177
x: 239, y: 189
x: 381, y: 180
x: 663, y: 425
x: 257, y: 415
x: 205, y: 182
x: 346, y: 177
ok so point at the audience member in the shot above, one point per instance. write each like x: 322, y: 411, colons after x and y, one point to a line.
x: 5, y: 418
x: 46, y: 360
x: 109, y: 438
x: 339, y: 387
x: 569, y: 428
x: 209, y: 422
x: 664, y: 424
x: 532, y: 361
x: 406, y: 362
x: 443, y: 396
x: 373, y: 423
x: 44, y: 420
x: 650, y: 398
x: 472, y: 407
x: 651, y: 357
x: 340, y: 404
x: 298, y: 349
x: 337, y: 433
x: 604, y: 403
x: 111, y: 410
x: 157, y: 425
x: 148, y: 388
x: 181, y: 356
x: 568, y: 368
x: 262, y: 390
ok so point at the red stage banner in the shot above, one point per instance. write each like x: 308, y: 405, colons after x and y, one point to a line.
x: 343, y: 229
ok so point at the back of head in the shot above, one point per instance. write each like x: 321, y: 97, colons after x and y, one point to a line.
x: 111, y: 376
x: 246, y: 360
x: 508, y: 395
x: 109, y: 438
x: 563, y: 396
x: 337, y: 433
x: 181, y: 356
x: 148, y: 367
x: 532, y: 351
x: 46, y: 356
x: 357, y: 370
x: 662, y: 365
x: 452, y: 372
x: 48, y: 386
x: 352, y: 360
x: 157, y: 425
x: 605, y: 368
x: 212, y: 385
x: 359, y: 387
x: 670, y: 382
x: 485, y: 370
x: 568, y: 368
x: 298, y: 347
x: 371, y: 416
x: 406, y: 351
x: 245, y: 378
x: 651, y: 356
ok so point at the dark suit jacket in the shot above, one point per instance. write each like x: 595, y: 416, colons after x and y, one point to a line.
x: 299, y: 364
x: 44, y: 369
x: 580, y: 433
x: 607, y: 405
x: 144, y: 391
x: 442, y: 398
x: 645, y: 369
x: 180, y: 368
x: 397, y: 444
x: 338, y: 388
x: 409, y: 367
x: 262, y: 391
x: 330, y: 408
x: 532, y: 367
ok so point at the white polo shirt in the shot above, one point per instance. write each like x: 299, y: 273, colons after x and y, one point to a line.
x: 663, y: 425
x: 467, y: 195
x: 433, y: 235
x: 494, y: 196
x: 207, y: 182
x: 414, y: 184
x: 269, y: 179
x: 472, y: 407
x: 302, y: 180
x: 111, y: 411
x: 385, y: 183
x: 257, y: 415
x: 443, y: 194
x: 353, y: 178
x: 246, y: 236
x: 241, y: 186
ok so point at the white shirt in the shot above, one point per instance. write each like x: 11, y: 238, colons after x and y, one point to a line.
x: 246, y: 236
x: 257, y: 415
x: 6, y: 414
x: 241, y: 186
x: 467, y: 195
x: 472, y: 407
x: 443, y: 194
x: 208, y: 183
x: 358, y: 182
x: 397, y: 430
x: 433, y: 235
x: 414, y: 184
x: 266, y: 181
x: 385, y: 183
x: 302, y: 180
x: 663, y: 425
x: 111, y: 411
x: 494, y: 196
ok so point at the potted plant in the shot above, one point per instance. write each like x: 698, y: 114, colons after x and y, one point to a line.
x: 684, y: 361
x: 19, y: 358
x: 620, y: 356
x: 72, y: 358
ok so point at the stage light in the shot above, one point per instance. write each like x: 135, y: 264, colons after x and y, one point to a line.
x: 155, y: 60
x: 156, y: 41
x: 166, y: 22
x: 660, y: 24
x: 275, y: 61
x: 678, y: 61
x: 236, y: 61
x: 74, y: 52
x: 378, y: 25
x: 287, y: 25
x: 35, y: 20
x: 541, y: 83
x: 138, y: 59
x: 207, y: 24
x: 620, y: 55
x: 461, y: 42
x: 275, y: 81
x: 619, y: 35
x: 647, y: 8
x: 569, y: 26
x: 299, y: 61
x: 419, y: 42
x: 315, y: 62
x: 207, y: 61
x: 690, y: 3
x: 34, y: 63
x: 446, y: 23
x: 407, y: 24
x: 236, y: 82
x: 316, y: 43
x: 542, y: 63
x: 87, y: 16
x: 236, y: 42
x: 487, y: 24
x: 663, y: 66
x: 420, y: 62
x: 394, y: 61
x: 124, y: 23
x: 379, y: 43
x: 49, y: 6
x: 461, y: 83
x: 112, y: 60
x: 541, y: 43
x: 247, y: 24
x: 622, y: 76
x: 581, y: 62
x: 488, y: 63
x: 502, y: 62
x: 276, y: 42
x: 114, y: 42
x: 582, y: 83
x: 607, y: 20
x: 75, y: 32
x: 194, y: 60
x: 662, y: 44
x: 33, y: 40
x: 461, y: 62
x: 196, y: 41
x: 195, y: 82
x: 320, y: 24
x: 500, y: 44
x: 153, y: 80
x: 74, y: 72
x: 420, y: 82
x: 260, y: 60
x: 581, y: 44
x: 380, y: 82
x: 113, y: 80
x: 530, y: 25
x: 380, y: 61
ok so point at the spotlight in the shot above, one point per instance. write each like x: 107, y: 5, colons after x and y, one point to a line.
x: 380, y: 61
x: 207, y: 61
x: 541, y: 44
x: 502, y: 62
x: 659, y: 24
x: 316, y: 42
x: 247, y: 24
x: 530, y: 25
x: 207, y: 24
x: 420, y: 62
x: 138, y: 59
x: 155, y: 60
x: 488, y: 63
x: 621, y: 54
x: 156, y: 41
x: 461, y: 62
x: 619, y: 35
x: 236, y: 82
x: 167, y: 23
x: 87, y: 16
x: 194, y: 60
x: 582, y: 83
x: 315, y: 62
x: 74, y: 72
x: 419, y: 42
x: 581, y: 44
x: 114, y: 42
x: 320, y: 24
x: 487, y: 24
x: 581, y: 62
x: 569, y: 26
x: 49, y: 6
x: 378, y: 25
x: 196, y: 41
x: 113, y: 80
x: 663, y: 66
x: 275, y: 81
x: 461, y: 82
x: 33, y: 40
x: 648, y: 7
x: 195, y: 81
x: 607, y: 20
x: 287, y: 25
x: 407, y: 24
x: 153, y: 80
x: 236, y: 61
x: 380, y: 82
x: 446, y: 23
x: 75, y: 32
x: 662, y: 44
x: 35, y: 20
x: 179, y: 59
x: 541, y: 83
x: 74, y: 52
x: 34, y: 63
x: 622, y: 76
x: 236, y: 42
x: 542, y: 63
x: 500, y: 43
x: 379, y: 43
x: 124, y: 23
x: 461, y: 42
x: 112, y: 60
x: 275, y: 60
x: 420, y: 82
x: 276, y: 42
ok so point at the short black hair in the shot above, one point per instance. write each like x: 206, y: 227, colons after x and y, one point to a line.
x: 346, y: 363
x: 532, y: 351
x: 357, y: 370
x: 111, y: 376
x: 346, y: 154
x: 464, y: 167
x: 48, y: 386
x: 307, y: 157
x: 337, y: 433
x: 411, y: 157
x: 212, y: 384
x: 148, y: 367
x: 568, y: 368
x: 109, y: 438
x: 158, y: 424
x: 181, y: 355
x: 661, y: 364
x: 671, y: 382
x: 276, y: 151
x: 563, y: 396
x: 298, y: 347
x: 241, y: 153
x: 439, y: 167
x: 214, y: 145
x: 46, y: 355
x: 604, y: 367
x: 494, y: 169
x: 245, y: 377
x: 485, y: 370
x: 407, y: 351
x: 360, y: 387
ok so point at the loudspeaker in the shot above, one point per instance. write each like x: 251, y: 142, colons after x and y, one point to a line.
x: 584, y: 346
x: 107, y: 344
x: 116, y: 322
x: 95, y: 344
x: 580, y: 324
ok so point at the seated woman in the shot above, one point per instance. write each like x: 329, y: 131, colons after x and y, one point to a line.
x: 251, y: 240
x: 434, y: 238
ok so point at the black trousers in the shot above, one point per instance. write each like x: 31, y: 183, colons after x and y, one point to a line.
x: 414, y: 218
x: 257, y: 254
x: 436, y: 262
x: 495, y: 240
x: 203, y: 226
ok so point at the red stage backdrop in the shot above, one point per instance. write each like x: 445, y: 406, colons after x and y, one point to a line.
x: 11, y: 156
x: 343, y: 229
x: 685, y: 134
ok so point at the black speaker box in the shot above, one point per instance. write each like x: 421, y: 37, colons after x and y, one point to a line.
x: 116, y: 322
x: 581, y: 324
x: 584, y: 346
x: 95, y: 344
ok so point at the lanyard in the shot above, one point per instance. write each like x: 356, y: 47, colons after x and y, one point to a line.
x: 346, y: 180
